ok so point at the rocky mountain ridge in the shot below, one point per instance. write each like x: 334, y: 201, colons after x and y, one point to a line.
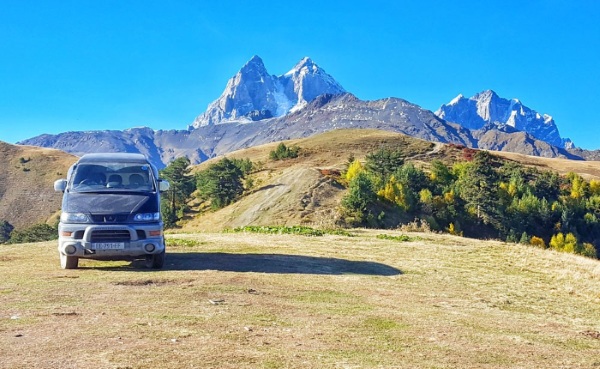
x: 488, y: 109
x: 253, y: 94
x: 257, y: 108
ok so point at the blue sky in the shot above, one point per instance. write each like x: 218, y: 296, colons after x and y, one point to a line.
x: 87, y: 65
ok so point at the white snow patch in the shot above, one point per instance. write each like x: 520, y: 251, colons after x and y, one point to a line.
x: 283, y: 103
x: 456, y: 99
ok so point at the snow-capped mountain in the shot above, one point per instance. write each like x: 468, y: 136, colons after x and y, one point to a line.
x: 261, y: 108
x: 253, y: 94
x: 487, y: 108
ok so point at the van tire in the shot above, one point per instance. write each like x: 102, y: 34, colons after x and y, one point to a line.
x: 155, y: 261
x: 68, y: 262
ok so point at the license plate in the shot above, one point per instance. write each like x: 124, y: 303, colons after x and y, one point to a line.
x: 108, y: 245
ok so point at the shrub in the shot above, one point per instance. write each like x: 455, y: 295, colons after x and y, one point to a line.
x: 537, y: 241
x: 454, y: 230
x: 284, y: 152
x: 589, y: 250
x: 417, y: 225
x: 35, y: 233
x: 401, y: 238
x: 557, y: 242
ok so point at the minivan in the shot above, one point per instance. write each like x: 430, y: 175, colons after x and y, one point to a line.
x: 111, y: 210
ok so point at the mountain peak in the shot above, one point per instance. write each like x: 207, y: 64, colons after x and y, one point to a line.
x: 255, y: 64
x: 253, y: 94
x: 456, y: 100
x: 486, y: 95
x: 487, y: 108
x: 255, y: 60
x: 305, y: 62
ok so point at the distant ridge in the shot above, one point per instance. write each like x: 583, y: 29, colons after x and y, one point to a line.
x: 488, y: 109
x: 257, y: 108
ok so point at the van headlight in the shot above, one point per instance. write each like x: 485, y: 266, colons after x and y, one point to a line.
x: 147, y: 217
x: 74, y: 218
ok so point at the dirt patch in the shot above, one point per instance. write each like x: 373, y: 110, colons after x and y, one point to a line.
x: 151, y: 282
x: 592, y: 334
x: 292, y: 196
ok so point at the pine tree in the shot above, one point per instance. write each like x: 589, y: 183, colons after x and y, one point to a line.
x: 221, y: 183
x: 182, y: 186
x: 477, y: 185
x: 384, y: 162
x: 5, y: 230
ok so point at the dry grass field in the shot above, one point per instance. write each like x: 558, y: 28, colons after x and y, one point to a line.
x: 283, y: 301
x: 26, y: 183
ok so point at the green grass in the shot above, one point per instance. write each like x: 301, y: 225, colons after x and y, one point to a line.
x: 296, y: 230
x: 182, y: 242
x: 400, y: 238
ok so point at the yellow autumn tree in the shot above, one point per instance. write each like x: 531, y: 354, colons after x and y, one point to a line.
x: 595, y: 187
x: 567, y: 243
x: 570, y: 243
x: 452, y: 229
x: 392, y: 191
x: 578, y: 187
x: 557, y: 241
x: 353, y: 170
x: 537, y: 241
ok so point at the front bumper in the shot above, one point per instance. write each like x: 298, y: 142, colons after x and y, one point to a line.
x: 110, y: 242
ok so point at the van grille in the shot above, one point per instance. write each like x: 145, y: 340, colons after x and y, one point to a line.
x: 111, y: 235
x: 109, y: 218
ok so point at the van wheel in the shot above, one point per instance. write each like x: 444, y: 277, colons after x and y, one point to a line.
x: 68, y: 262
x: 155, y: 261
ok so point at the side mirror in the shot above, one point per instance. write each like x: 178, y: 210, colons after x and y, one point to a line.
x: 163, y: 185
x: 60, y: 185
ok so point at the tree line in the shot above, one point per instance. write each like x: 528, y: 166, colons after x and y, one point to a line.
x: 481, y: 197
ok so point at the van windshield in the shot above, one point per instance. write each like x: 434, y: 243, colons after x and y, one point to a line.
x: 112, y: 177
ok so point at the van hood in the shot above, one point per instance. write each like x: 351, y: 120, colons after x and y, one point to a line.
x: 109, y: 203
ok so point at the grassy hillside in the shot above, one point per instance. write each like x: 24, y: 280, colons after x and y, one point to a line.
x: 282, y: 301
x: 303, y: 191
x: 26, y: 183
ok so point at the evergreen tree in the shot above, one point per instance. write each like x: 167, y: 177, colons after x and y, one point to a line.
x: 221, y: 183
x: 384, y: 162
x: 5, y: 230
x: 441, y: 176
x: 360, y: 197
x: 478, y: 187
x: 182, y: 185
x: 546, y: 185
x: 284, y: 152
